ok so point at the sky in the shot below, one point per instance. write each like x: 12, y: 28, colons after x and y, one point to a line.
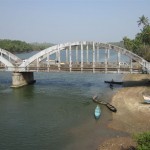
x: 61, y: 21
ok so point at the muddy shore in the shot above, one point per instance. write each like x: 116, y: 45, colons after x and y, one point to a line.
x: 132, y: 115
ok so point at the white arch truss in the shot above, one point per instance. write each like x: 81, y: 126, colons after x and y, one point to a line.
x: 57, y: 48
x: 8, y: 65
x: 13, y: 63
x: 9, y: 56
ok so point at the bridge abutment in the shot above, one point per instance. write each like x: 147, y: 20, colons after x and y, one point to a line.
x: 20, y: 79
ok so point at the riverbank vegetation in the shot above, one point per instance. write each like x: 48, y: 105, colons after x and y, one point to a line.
x: 141, y: 44
x: 143, y: 141
x: 16, y: 46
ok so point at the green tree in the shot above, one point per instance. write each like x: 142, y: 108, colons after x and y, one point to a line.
x: 141, y: 44
x: 146, y: 35
x: 143, y: 21
x: 128, y: 43
x: 16, y: 46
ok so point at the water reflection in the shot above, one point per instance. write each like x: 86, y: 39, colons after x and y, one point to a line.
x: 24, y: 93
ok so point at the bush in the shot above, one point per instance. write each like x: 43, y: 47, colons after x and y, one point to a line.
x: 143, y: 141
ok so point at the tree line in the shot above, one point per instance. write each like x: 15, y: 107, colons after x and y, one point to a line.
x: 141, y: 44
x: 16, y: 46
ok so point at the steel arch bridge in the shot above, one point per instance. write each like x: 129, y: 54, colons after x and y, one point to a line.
x: 76, y: 56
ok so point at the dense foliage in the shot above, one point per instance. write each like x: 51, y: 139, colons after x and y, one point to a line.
x: 141, y: 44
x: 143, y: 141
x: 20, y: 46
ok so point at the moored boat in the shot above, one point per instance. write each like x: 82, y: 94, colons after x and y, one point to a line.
x: 97, y: 112
x: 113, y: 82
x: 146, y: 99
x: 98, y: 101
x: 95, y: 97
x: 111, y: 107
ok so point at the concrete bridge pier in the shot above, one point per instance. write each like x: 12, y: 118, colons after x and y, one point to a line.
x: 20, y: 79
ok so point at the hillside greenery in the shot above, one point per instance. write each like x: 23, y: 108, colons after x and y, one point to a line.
x: 16, y: 46
x: 141, y: 44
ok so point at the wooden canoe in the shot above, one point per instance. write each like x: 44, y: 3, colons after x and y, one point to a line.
x: 111, y: 107
x: 113, y: 82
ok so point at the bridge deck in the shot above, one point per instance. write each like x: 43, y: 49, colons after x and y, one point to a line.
x: 76, y: 67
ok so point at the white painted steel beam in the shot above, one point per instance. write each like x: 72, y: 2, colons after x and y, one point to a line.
x: 67, y: 55
x: 87, y: 53
x: 106, y: 60
x: 81, y: 56
x: 70, y: 58
x: 93, y: 57
x: 77, y: 56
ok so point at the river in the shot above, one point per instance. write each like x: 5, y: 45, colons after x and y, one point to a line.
x: 56, y: 113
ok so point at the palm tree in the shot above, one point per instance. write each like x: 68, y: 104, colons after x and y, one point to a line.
x: 143, y: 20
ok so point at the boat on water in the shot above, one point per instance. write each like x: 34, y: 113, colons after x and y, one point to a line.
x: 113, y: 82
x: 109, y: 106
x: 97, y: 112
x: 146, y: 99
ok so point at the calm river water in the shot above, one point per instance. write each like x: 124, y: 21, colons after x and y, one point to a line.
x: 56, y: 113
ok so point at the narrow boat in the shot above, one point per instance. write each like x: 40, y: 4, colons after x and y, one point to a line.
x: 97, y: 112
x: 113, y: 82
x: 111, y: 85
x: 146, y: 99
x: 95, y: 97
x: 98, y: 101
x: 111, y: 107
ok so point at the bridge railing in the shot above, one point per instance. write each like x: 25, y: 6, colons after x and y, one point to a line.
x: 76, y: 67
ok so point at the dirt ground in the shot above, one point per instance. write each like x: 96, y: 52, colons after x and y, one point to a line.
x: 132, y: 115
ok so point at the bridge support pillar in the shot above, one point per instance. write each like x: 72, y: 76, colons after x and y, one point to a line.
x: 20, y: 79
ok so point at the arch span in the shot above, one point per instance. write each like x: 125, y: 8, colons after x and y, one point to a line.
x: 48, y: 51
x: 57, y: 48
x: 9, y: 57
x: 9, y: 66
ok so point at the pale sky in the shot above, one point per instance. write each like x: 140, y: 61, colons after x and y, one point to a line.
x: 60, y: 21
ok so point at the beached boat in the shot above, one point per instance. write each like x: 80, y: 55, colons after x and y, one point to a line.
x: 146, y: 99
x: 111, y: 107
x: 95, y: 97
x: 98, y: 101
x: 113, y: 82
x: 97, y: 112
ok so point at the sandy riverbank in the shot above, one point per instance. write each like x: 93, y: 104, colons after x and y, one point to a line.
x: 132, y: 116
